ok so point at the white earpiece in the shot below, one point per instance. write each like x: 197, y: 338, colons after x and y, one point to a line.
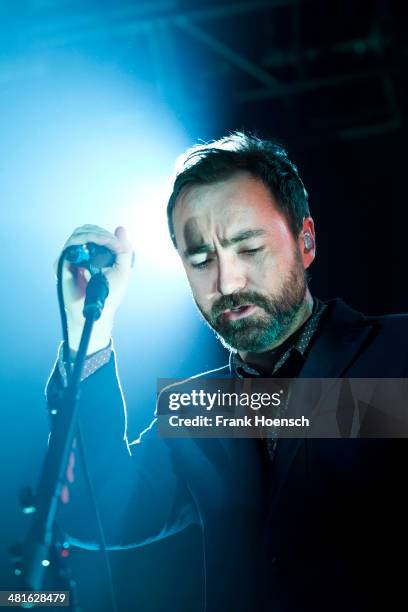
x: 308, y: 242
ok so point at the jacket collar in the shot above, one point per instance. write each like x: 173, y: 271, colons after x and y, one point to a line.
x: 342, y: 332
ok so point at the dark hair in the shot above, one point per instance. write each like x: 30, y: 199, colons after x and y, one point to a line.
x: 264, y: 159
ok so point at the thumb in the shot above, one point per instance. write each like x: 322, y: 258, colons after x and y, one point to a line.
x: 120, y: 233
x: 126, y: 254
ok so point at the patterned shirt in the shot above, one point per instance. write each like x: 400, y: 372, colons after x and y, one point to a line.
x: 92, y: 362
x: 286, y: 361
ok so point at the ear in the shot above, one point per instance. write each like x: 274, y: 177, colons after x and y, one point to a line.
x: 307, y: 242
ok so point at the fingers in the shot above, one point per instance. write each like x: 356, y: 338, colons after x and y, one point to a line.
x: 117, y: 242
x: 98, y: 235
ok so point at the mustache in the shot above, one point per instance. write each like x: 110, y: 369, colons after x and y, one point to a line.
x: 226, y: 302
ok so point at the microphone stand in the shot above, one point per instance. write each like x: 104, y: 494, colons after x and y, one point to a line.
x: 37, y: 551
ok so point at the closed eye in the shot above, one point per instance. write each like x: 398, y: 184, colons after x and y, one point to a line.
x: 200, y: 265
x: 251, y: 251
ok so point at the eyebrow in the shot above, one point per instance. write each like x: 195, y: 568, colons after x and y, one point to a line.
x: 206, y: 248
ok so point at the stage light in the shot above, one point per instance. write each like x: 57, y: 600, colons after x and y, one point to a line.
x: 146, y: 224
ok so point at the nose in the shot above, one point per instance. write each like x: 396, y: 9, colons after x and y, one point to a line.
x: 231, y: 276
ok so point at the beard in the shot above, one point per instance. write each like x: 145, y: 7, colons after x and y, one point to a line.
x: 261, y: 331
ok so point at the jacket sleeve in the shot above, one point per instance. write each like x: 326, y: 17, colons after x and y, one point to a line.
x: 138, y: 495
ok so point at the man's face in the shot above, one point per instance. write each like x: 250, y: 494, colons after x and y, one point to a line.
x: 245, y: 269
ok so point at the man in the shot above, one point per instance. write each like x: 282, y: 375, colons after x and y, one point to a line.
x: 291, y: 526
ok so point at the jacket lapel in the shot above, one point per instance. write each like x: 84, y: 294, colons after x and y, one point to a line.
x: 343, y: 332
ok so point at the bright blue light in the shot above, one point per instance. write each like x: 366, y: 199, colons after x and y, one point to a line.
x: 146, y: 223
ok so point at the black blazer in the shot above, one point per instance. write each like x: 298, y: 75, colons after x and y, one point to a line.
x: 320, y: 530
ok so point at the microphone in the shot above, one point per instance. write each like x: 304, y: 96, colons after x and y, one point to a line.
x: 92, y: 256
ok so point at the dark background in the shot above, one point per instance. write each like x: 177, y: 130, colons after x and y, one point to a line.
x: 97, y: 99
